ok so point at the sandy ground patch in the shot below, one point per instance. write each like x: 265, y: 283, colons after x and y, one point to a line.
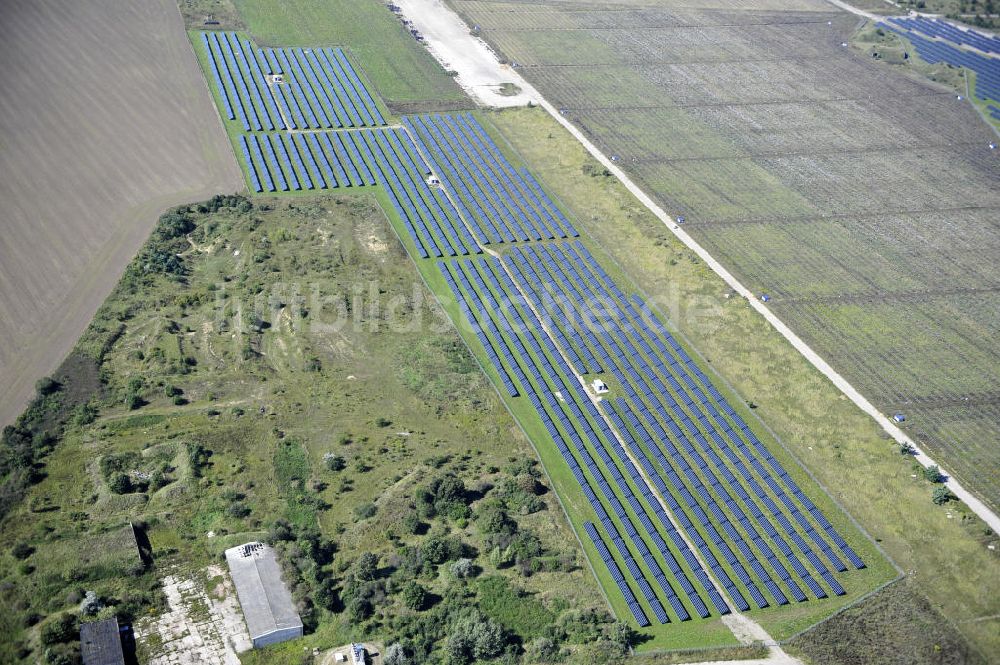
x: 105, y: 121
x: 479, y: 70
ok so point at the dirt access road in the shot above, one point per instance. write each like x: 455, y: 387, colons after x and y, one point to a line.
x: 105, y: 121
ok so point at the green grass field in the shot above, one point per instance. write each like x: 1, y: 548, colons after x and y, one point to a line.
x: 401, y: 70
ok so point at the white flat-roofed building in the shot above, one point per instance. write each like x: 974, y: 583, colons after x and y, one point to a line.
x: 267, y: 605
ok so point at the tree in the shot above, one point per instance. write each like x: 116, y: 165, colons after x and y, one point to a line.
x: 326, y: 595
x: 414, y: 596
x: 474, y: 637
x: 463, y: 568
x: 91, y: 604
x: 459, y: 648
x: 623, y: 636
x: 448, y: 490
x: 942, y: 495
x: 359, y: 608
x: 63, y: 628
x: 501, y: 557
x: 494, y: 521
x: 334, y: 462
x: 933, y: 474
x: 120, y: 483
x: 395, y: 655
x: 366, y: 566
x: 412, y: 522
x: 488, y: 639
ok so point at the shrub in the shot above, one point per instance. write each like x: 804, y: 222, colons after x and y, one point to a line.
x: 158, y: 480
x: 382, y: 422
x: 933, y: 474
x: 84, y: 414
x: 238, y: 510
x: 22, y: 551
x: 334, y: 462
x: 942, y: 495
x: 120, y: 483
x: 543, y: 649
x: 47, y: 386
x: 364, y: 511
x: 62, y: 628
x: 395, y: 655
x: 623, y: 636
x: 414, y: 596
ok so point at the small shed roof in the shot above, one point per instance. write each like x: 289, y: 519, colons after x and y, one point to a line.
x: 101, y: 643
x: 267, y: 604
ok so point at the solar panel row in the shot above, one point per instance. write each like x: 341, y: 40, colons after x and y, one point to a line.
x: 616, y: 574
x: 319, y: 89
x: 630, y: 352
x: 307, y: 161
x: 737, y: 432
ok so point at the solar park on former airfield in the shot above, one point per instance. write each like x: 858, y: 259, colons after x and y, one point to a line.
x: 690, y: 515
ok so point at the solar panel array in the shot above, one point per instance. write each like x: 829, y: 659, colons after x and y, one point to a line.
x: 502, y: 203
x: 754, y: 528
x: 319, y: 88
x: 987, y: 68
x: 527, y: 358
x: 944, y: 30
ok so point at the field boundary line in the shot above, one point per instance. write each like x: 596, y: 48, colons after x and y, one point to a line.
x: 211, y: 95
x: 896, y: 580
